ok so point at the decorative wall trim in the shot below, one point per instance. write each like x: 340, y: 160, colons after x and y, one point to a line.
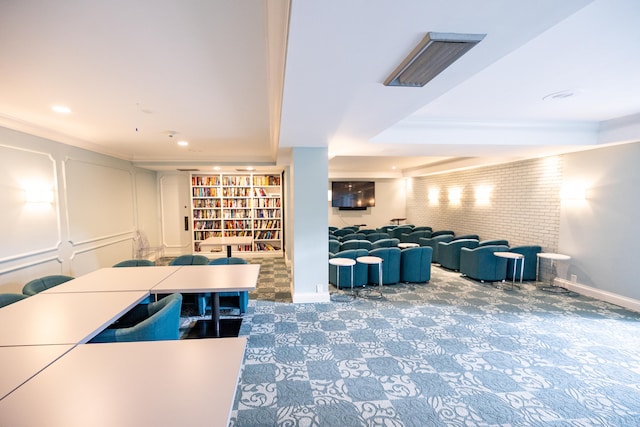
x: 306, y: 297
x: 105, y: 244
x: 31, y: 264
x: 112, y: 236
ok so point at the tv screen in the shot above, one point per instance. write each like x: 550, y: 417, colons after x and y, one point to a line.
x: 353, y: 194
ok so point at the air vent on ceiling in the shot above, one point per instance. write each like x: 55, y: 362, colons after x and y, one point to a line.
x: 188, y: 170
x: 433, y: 55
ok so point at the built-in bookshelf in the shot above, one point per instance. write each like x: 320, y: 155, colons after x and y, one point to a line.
x: 238, y: 205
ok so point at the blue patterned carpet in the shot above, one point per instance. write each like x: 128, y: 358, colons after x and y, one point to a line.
x: 452, y: 352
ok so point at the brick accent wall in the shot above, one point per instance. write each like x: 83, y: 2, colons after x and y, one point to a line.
x: 523, y: 204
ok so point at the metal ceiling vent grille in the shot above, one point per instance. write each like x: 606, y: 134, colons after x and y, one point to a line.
x: 432, y: 56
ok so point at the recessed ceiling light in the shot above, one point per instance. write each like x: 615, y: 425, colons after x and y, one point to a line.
x: 393, y: 167
x: 183, y: 143
x: 216, y: 168
x: 62, y: 109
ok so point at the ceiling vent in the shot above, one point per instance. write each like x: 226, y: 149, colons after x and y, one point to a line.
x: 188, y: 170
x: 431, y: 57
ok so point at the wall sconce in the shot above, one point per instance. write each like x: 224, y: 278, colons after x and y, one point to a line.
x: 434, y: 196
x: 573, y: 191
x: 455, y: 194
x: 483, y: 195
x: 328, y: 195
x: 37, y: 195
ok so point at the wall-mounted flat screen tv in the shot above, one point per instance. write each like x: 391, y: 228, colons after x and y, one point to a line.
x: 353, y: 194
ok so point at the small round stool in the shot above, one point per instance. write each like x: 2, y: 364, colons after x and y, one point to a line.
x: 343, y: 262
x: 372, y: 260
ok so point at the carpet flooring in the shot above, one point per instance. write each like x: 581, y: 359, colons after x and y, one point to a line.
x: 452, y: 352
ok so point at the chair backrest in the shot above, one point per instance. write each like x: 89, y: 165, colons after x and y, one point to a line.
x: 352, y: 236
x: 373, y: 237
x: 494, y: 242
x: 396, y: 233
x: 229, y: 260
x: 467, y: 237
x: 6, y: 299
x: 414, y: 236
x: 334, y: 246
x: 442, y: 232
x: 332, y: 228
x: 342, y: 232
x: 366, y: 231
x: 190, y: 260
x: 385, y: 243
x: 135, y: 263
x: 43, y: 283
x: 162, y: 323
x: 353, y: 228
x: 422, y: 228
x: 355, y: 244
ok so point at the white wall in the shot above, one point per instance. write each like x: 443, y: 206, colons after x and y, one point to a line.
x: 91, y: 221
x: 390, y: 203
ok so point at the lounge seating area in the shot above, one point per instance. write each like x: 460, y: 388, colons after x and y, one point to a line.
x: 467, y: 254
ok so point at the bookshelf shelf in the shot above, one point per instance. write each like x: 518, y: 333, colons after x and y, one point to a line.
x: 238, y: 205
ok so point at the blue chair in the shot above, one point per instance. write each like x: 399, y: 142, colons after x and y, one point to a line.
x: 530, y: 253
x: 367, y: 231
x: 353, y: 228
x: 356, y: 244
x: 449, y: 252
x: 146, y: 322
x: 433, y: 244
x: 441, y: 233
x: 332, y: 229
x: 135, y: 263
x: 239, y: 300
x: 494, y: 242
x: 342, y: 232
x: 422, y: 228
x: 44, y: 283
x: 386, y: 228
x: 360, y: 271
x: 415, y: 264
x: 6, y: 299
x: 481, y: 264
x: 467, y: 237
x: 190, y: 260
x: 352, y: 236
x: 397, y: 232
x: 390, y: 266
x: 414, y: 236
x: 374, y: 237
x: 385, y: 243
x: 334, y: 246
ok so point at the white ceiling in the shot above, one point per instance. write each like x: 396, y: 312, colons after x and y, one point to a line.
x: 244, y: 81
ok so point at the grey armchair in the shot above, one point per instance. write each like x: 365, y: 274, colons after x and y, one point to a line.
x: 146, y: 322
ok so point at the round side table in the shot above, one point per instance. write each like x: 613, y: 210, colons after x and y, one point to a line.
x: 343, y: 262
x: 554, y: 258
x: 515, y: 257
x: 373, y: 260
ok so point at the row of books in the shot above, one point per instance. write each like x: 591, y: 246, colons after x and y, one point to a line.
x: 205, y: 192
x: 267, y: 213
x: 266, y: 180
x: 234, y: 225
x: 267, y: 203
x: 266, y: 247
x: 205, y: 180
x: 235, y: 192
x: 207, y: 225
x: 266, y: 224
x: 267, y: 234
x: 206, y: 214
x: 206, y: 203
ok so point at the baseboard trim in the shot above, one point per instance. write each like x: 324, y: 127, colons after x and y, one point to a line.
x: 622, y: 301
x: 308, y: 297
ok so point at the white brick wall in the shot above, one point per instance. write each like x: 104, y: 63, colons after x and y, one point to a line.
x: 523, y: 207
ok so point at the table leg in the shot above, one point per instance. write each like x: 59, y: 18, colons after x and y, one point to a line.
x: 521, y: 269
x: 215, y: 312
x: 513, y: 278
x: 352, y: 293
x: 228, y: 251
x: 380, y: 278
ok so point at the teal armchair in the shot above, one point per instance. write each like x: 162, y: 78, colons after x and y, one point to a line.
x: 449, y: 252
x: 135, y: 263
x: 530, y: 253
x: 239, y: 300
x: 146, y: 322
x: 415, y: 264
x: 433, y: 243
x: 44, y: 283
x: 360, y: 271
x: 390, y: 266
x: 6, y: 299
x: 481, y: 264
x: 356, y: 244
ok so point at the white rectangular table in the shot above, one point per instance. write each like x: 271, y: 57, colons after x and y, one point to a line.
x: 155, y: 383
x: 20, y: 363
x: 227, y: 241
x: 117, y: 279
x: 63, y: 318
x: 211, y: 279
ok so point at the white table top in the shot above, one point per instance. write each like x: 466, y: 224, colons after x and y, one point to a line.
x: 511, y: 255
x: 63, y: 318
x: 345, y: 262
x: 117, y: 279
x: 369, y: 259
x: 555, y: 257
x: 406, y: 245
x: 210, y: 278
x: 23, y: 362
x: 158, y: 383
x: 227, y: 240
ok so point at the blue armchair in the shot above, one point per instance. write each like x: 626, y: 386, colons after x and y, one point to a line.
x: 367, y: 231
x: 239, y: 300
x: 422, y: 228
x: 501, y: 242
x: 355, y: 244
x: 481, y: 264
x: 467, y: 236
x: 135, y: 263
x: 415, y: 264
x: 530, y: 262
x: 385, y: 243
x: 441, y: 233
x: 352, y: 236
x: 44, y: 283
x: 386, y: 228
x: 414, y: 236
x: 433, y: 244
x: 397, y: 232
x: 449, y: 252
x: 342, y: 232
x: 374, y: 237
x: 6, y: 299
x: 334, y: 246
x: 390, y: 266
x: 190, y: 260
x: 360, y: 271
x: 146, y: 322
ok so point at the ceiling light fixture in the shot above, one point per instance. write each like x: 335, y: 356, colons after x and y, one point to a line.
x: 433, y: 55
x: 61, y: 109
x: 183, y: 143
